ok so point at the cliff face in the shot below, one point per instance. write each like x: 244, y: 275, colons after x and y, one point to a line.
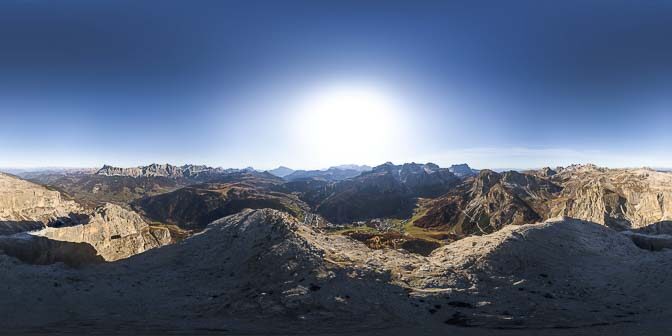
x: 29, y: 206
x: 619, y: 198
x: 114, y: 232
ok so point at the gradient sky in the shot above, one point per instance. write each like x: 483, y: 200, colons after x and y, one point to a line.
x: 516, y: 84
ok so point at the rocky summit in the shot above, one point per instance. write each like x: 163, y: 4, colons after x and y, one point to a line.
x: 408, y: 248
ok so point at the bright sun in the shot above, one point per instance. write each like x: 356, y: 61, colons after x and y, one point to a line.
x: 347, y: 124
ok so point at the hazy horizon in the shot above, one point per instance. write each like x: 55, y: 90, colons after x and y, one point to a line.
x: 495, y: 168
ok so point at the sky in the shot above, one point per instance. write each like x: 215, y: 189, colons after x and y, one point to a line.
x: 312, y: 84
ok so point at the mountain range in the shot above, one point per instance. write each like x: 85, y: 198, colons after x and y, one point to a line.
x: 440, y: 247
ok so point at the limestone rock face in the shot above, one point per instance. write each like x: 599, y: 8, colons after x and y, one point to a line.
x: 116, y: 233
x: 28, y: 206
x: 161, y: 170
x: 619, y: 198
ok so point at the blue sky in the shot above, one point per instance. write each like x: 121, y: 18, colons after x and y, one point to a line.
x: 492, y: 83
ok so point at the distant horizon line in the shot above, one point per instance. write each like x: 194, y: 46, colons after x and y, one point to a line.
x: 44, y: 168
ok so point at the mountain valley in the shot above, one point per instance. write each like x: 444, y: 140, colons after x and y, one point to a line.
x: 396, y: 247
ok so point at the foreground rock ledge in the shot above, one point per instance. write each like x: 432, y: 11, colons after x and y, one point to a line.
x: 262, y: 265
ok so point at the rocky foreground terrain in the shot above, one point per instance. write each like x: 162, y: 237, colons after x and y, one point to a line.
x: 263, y: 265
x: 31, y: 212
x: 580, y: 250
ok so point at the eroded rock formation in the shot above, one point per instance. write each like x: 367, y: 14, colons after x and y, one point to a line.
x: 28, y: 206
x: 619, y: 198
x: 114, y: 232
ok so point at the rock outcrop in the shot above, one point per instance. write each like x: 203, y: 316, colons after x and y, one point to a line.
x: 109, y: 230
x: 26, y: 206
x: 619, y: 198
x: 114, y: 232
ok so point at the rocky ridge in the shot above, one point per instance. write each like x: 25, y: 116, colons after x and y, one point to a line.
x: 28, y: 206
x: 619, y: 198
x: 114, y: 232
x: 488, y: 202
x: 164, y: 170
x: 623, y: 199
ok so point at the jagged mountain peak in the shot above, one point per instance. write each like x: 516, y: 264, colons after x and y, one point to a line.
x: 159, y: 170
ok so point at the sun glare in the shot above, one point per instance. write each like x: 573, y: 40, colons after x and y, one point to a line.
x: 347, y: 123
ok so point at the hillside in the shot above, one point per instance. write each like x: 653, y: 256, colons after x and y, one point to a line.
x: 386, y: 191
x: 488, y: 202
x: 195, y: 206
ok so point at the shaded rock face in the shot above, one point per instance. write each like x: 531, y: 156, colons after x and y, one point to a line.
x: 114, y: 232
x: 619, y: 198
x: 27, y: 206
x: 44, y: 251
x: 488, y: 202
x: 387, y: 190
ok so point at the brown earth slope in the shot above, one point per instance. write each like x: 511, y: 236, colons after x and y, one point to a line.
x: 488, y: 202
x: 195, y: 206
